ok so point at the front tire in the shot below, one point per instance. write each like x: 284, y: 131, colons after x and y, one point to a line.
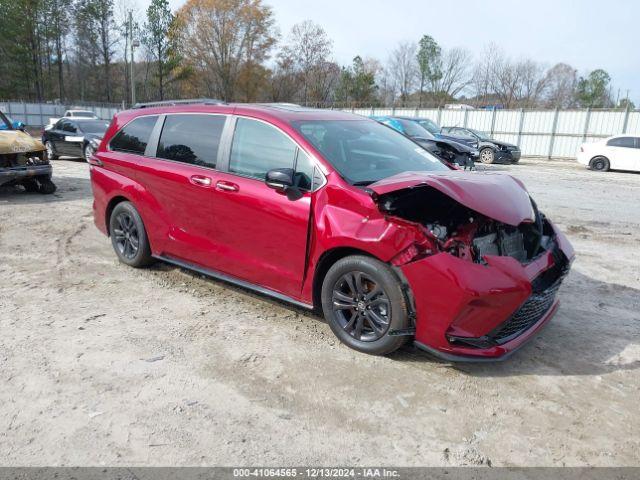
x: 46, y: 186
x: 129, y: 237
x: 362, y: 300
x: 487, y: 156
x: 599, y: 164
x: 51, y: 153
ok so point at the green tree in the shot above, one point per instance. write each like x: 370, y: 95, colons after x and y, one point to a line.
x: 357, y: 83
x: 429, y: 63
x: 156, y: 39
x: 595, y: 90
x: 625, y: 103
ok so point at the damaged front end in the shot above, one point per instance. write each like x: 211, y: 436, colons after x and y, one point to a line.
x: 483, y: 281
x: 24, y: 161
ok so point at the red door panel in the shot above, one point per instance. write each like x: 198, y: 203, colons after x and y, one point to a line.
x: 261, y: 234
x: 183, y: 197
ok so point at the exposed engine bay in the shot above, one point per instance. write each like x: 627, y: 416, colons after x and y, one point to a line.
x: 465, y: 233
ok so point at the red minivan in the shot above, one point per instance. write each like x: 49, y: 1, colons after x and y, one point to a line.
x: 332, y: 211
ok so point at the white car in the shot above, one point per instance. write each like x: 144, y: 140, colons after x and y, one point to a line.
x: 73, y: 114
x: 621, y: 152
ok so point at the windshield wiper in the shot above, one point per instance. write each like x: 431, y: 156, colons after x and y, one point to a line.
x: 363, y: 183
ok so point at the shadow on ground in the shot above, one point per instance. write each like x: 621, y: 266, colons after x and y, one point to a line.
x: 590, y: 335
x: 69, y: 189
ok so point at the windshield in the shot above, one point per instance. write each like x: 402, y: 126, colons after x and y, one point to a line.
x: 93, y: 126
x: 363, y: 151
x: 478, y: 134
x: 414, y: 129
x: 427, y: 124
x: 82, y: 113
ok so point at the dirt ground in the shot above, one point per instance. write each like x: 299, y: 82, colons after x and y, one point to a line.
x: 101, y: 364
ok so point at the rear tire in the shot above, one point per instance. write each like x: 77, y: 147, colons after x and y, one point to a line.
x: 129, y: 237
x: 88, y: 151
x: 362, y: 300
x: 599, y: 164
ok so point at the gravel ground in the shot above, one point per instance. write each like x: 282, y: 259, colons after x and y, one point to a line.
x: 101, y: 364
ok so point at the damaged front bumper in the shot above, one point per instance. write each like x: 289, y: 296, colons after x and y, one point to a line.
x: 467, y: 311
x: 20, y: 173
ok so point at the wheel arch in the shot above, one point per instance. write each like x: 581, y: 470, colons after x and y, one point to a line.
x: 325, y: 262
x: 330, y: 257
x: 110, y: 206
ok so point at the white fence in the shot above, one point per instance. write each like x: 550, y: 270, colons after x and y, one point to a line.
x: 540, y: 133
x: 38, y: 114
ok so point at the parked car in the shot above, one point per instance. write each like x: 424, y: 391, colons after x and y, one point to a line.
x: 75, y: 114
x: 23, y: 160
x: 15, y: 124
x: 77, y: 137
x: 621, y: 152
x: 333, y: 211
x: 454, y: 153
x: 491, y: 150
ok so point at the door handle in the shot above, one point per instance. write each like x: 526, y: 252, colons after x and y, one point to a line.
x: 200, y: 180
x: 227, y: 186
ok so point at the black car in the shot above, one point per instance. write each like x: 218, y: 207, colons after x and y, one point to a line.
x: 450, y: 151
x: 74, y: 137
x: 491, y: 150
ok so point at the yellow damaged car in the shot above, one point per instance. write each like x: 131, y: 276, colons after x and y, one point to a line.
x: 23, y: 160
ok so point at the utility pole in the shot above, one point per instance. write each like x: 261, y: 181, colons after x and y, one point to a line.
x: 133, y: 43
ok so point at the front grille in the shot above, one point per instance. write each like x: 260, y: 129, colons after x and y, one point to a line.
x: 527, y: 315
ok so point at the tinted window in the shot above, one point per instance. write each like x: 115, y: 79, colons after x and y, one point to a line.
x: 363, y: 151
x: 258, y: 147
x: 191, y: 139
x: 68, y: 126
x: 627, y: 142
x: 93, y: 126
x: 133, y: 138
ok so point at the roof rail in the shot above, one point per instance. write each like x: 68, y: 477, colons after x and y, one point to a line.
x: 169, y: 103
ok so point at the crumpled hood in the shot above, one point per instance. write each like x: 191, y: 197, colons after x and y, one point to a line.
x: 15, y: 141
x: 494, y: 195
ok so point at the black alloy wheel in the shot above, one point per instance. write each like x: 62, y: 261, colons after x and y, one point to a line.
x: 365, y: 305
x: 361, y: 307
x: 126, y: 236
x: 600, y: 164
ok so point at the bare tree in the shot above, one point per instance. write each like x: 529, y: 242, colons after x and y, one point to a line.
x: 309, y: 48
x: 456, y: 72
x: 562, y: 80
x: 403, y: 69
x: 219, y: 37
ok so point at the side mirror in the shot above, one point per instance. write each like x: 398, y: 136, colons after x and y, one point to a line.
x: 280, y: 178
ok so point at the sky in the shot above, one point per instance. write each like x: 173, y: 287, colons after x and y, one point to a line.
x: 586, y: 34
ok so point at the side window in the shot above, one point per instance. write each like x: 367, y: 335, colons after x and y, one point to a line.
x: 303, y: 178
x: 637, y: 142
x: 133, y: 138
x: 258, y: 147
x: 191, y: 139
x: 69, y: 127
x: 626, y: 142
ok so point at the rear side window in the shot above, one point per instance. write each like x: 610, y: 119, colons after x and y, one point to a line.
x: 627, y: 142
x: 68, y: 126
x: 192, y: 139
x: 133, y: 138
x: 258, y: 147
